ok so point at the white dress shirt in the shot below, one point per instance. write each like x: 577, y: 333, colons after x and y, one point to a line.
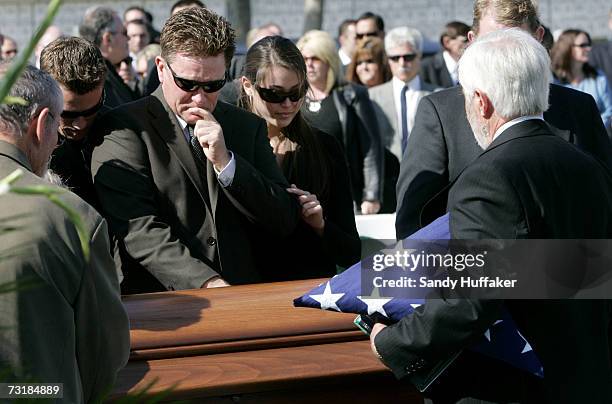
x: 344, y: 58
x: 451, y: 66
x: 412, y: 100
x: 226, y: 175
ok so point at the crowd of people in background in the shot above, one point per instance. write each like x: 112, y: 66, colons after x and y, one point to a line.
x: 213, y: 168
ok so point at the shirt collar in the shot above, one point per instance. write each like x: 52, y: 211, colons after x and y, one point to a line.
x: 414, y: 84
x: 516, y: 121
x: 181, y: 122
x: 451, y: 64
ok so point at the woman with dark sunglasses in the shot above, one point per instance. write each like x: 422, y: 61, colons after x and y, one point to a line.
x: 344, y: 110
x: 571, y: 68
x: 273, y: 86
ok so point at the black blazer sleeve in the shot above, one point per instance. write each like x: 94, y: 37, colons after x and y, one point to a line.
x: 423, y: 169
x: 483, y: 205
x: 340, y: 237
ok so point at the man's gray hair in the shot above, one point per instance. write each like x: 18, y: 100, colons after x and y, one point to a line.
x: 511, y: 68
x: 96, y: 22
x: 38, y: 90
x: 401, y: 36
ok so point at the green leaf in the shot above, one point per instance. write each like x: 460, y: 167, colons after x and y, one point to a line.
x: 12, y: 177
x: 22, y: 58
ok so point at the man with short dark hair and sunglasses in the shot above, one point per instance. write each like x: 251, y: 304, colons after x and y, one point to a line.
x: 79, y: 68
x: 185, y: 181
x: 103, y: 27
x: 396, y: 101
x: 369, y: 24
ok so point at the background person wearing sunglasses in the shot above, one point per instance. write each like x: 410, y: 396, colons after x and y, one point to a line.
x: 188, y: 183
x: 103, y: 27
x: 396, y: 101
x: 78, y: 67
x: 369, y: 25
x: 273, y: 86
x: 571, y: 68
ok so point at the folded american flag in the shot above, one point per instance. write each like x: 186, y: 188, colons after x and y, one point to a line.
x: 343, y: 293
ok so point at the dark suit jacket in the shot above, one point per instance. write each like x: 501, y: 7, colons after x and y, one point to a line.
x: 441, y: 145
x: 72, y: 162
x: 69, y: 326
x: 434, y: 71
x: 176, y: 225
x: 527, y: 184
x: 117, y: 92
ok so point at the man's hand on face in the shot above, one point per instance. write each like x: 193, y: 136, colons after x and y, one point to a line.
x: 210, y: 135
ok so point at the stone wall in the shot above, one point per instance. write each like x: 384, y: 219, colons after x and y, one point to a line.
x: 19, y: 17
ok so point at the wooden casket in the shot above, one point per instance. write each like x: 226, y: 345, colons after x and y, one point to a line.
x: 248, y: 344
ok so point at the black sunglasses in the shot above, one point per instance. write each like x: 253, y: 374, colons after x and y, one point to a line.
x: 192, y: 85
x: 408, y: 57
x: 277, y: 97
x: 366, y: 34
x: 583, y: 45
x: 86, y: 113
x: 128, y: 61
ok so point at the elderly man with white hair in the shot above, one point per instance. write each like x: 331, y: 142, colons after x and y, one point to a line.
x: 396, y: 101
x: 527, y: 183
x: 64, y: 322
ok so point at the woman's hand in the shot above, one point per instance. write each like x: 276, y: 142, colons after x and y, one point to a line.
x: 312, y: 211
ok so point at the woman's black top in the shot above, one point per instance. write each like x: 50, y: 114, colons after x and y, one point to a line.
x: 304, y: 254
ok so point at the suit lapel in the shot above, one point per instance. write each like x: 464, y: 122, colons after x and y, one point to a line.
x: 167, y: 127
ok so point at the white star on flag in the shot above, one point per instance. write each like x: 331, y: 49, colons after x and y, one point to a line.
x: 527, y: 347
x: 487, y: 333
x: 375, y: 303
x: 328, y: 299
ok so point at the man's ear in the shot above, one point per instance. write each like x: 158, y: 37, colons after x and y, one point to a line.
x: 107, y: 38
x: 471, y: 36
x: 539, y: 33
x: 161, y: 65
x: 445, y: 40
x: 38, y: 126
x: 485, y: 106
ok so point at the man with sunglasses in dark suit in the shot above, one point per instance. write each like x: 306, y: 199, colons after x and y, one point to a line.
x: 79, y: 68
x: 186, y: 182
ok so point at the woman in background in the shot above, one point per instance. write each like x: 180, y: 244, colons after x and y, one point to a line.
x: 344, y: 110
x: 571, y: 68
x: 369, y: 66
x: 273, y: 86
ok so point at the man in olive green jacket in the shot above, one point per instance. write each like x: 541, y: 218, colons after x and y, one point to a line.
x: 65, y: 322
